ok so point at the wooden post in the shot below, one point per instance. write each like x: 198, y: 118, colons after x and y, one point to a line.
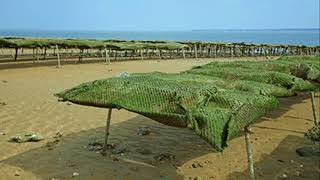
x: 59, y: 64
x: 159, y: 52
x: 195, y: 51
x: 116, y: 55
x: 107, y: 130
x: 147, y: 54
x: 215, y: 51
x: 264, y: 51
x: 249, y: 152
x: 16, y: 54
x: 45, y: 53
x: 101, y: 54
x: 79, y: 54
x: 183, y: 53
x: 67, y: 56
x: 314, y: 109
x: 37, y: 54
x: 141, y: 54
x: 33, y: 57
x: 107, y: 56
x: 231, y: 51
x: 131, y: 54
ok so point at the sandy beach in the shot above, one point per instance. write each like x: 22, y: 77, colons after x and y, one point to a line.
x: 27, y: 104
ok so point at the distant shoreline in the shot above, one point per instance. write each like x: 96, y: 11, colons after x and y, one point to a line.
x: 302, y: 36
x: 173, y: 30
x: 280, y: 29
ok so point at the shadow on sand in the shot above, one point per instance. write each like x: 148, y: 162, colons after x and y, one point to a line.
x: 138, y: 161
x: 285, y: 163
x: 284, y: 159
x: 70, y: 154
x: 65, y: 61
x: 45, y: 63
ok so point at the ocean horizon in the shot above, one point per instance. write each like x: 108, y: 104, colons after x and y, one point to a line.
x: 295, y: 36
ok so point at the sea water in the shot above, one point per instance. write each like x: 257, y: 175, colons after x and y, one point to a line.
x: 267, y: 36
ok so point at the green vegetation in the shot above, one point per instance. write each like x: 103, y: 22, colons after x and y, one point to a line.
x: 216, y: 100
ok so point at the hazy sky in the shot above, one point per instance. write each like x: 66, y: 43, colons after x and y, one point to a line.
x: 157, y: 14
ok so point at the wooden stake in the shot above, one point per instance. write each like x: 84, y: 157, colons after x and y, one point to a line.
x: 116, y: 55
x: 71, y: 53
x: 59, y: 64
x: 184, y: 54
x: 231, y: 52
x: 159, y: 53
x: 33, y: 57
x: 67, y: 54
x: 314, y: 109
x: 101, y: 53
x: 195, y: 51
x: 170, y: 54
x: 215, y: 51
x: 147, y: 54
x: 45, y: 53
x: 16, y: 54
x: 107, y: 130
x: 249, y: 152
x: 141, y: 54
x: 209, y: 50
x: 37, y: 54
x: 107, y: 56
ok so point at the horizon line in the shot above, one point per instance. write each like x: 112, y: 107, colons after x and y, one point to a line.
x: 168, y: 30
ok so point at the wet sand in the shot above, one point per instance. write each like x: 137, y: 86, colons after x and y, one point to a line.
x: 29, y: 105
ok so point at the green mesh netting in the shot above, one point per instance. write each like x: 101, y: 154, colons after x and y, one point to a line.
x: 314, y: 133
x: 306, y: 68
x: 216, y: 100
